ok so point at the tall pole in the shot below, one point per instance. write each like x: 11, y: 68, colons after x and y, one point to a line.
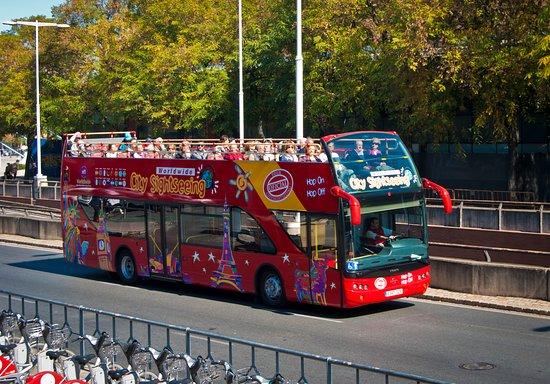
x: 299, y: 73
x: 39, y: 177
x: 241, y: 94
x: 38, y: 130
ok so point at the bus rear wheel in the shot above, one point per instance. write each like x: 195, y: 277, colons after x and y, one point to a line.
x: 271, y: 289
x: 126, y: 267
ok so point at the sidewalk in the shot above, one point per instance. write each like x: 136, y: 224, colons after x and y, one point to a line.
x: 516, y: 304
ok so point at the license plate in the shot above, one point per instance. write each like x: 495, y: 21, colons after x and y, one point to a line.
x: 394, y: 292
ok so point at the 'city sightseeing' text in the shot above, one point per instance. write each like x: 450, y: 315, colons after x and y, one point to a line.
x: 379, y: 182
x: 167, y: 184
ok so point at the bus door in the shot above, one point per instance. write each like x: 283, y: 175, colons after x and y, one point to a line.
x: 325, y: 276
x: 163, y: 241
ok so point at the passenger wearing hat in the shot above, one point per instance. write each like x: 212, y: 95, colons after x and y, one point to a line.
x: 374, y: 157
x: 125, y: 142
x: 159, y: 146
x: 72, y: 145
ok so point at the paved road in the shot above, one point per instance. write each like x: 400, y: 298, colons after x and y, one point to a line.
x: 416, y: 336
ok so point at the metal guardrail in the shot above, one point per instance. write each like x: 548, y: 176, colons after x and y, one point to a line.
x: 480, y: 194
x: 27, y: 188
x: 258, y: 357
x: 6, y: 150
x: 493, y: 215
x: 487, y: 249
x: 29, y: 210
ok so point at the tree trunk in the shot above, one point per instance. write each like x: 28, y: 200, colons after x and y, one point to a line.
x: 513, y: 156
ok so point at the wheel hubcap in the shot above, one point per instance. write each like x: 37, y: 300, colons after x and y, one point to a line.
x: 273, y: 287
x: 127, y: 267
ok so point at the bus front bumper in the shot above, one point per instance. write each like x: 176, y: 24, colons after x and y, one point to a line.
x: 362, y: 291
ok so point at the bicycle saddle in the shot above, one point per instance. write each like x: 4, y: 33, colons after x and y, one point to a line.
x: 6, y: 348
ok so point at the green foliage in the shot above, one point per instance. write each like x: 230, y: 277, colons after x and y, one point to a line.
x: 408, y: 65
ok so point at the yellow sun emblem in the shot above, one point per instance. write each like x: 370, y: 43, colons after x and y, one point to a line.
x: 242, y: 183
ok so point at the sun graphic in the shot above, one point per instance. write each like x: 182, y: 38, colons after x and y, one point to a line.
x: 242, y: 183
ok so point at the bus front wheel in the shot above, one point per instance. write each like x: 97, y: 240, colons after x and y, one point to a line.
x: 271, y: 289
x: 126, y: 267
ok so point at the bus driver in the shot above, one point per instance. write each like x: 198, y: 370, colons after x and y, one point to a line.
x: 377, y: 235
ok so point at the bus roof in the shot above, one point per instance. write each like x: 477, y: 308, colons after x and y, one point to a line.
x: 331, y: 137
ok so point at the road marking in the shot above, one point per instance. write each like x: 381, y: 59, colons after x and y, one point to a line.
x: 120, y: 285
x: 318, y: 318
x: 214, y: 341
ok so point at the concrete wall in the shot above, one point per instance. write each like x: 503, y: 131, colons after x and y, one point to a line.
x: 38, y: 229
x: 492, y: 279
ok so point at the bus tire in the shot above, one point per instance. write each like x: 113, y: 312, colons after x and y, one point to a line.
x: 126, y: 267
x: 271, y: 288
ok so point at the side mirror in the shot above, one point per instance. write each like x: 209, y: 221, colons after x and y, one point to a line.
x: 442, y: 192
x: 354, y: 205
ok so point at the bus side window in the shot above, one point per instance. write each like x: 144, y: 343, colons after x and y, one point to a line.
x: 323, y: 240
x: 295, y: 225
x: 202, y: 225
x: 247, y: 235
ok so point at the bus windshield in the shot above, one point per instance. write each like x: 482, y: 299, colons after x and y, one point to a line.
x: 373, y: 162
x: 388, y: 235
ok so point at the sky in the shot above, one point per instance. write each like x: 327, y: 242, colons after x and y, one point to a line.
x: 15, y: 9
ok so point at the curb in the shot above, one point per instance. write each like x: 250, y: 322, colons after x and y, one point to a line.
x: 30, y: 243
x: 485, y: 304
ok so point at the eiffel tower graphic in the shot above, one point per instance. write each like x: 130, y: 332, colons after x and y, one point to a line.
x: 227, y: 270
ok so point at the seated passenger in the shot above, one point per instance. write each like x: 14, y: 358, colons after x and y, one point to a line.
x: 250, y: 152
x: 170, y: 152
x: 356, y: 153
x: 374, y: 155
x: 374, y: 149
x: 333, y: 154
x: 185, y: 150
x: 311, y: 155
x: 234, y: 152
x: 72, y: 145
x: 98, y: 150
x: 199, y: 153
x: 159, y: 146
x: 269, y: 151
x: 125, y: 141
x: 301, y: 146
x: 216, y: 154
x: 128, y: 153
x: 321, y: 155
x: 151, y: 152
x: 138, y: 152
x: 112, y: 151
x: 289, y: 154
x: 224, y: 143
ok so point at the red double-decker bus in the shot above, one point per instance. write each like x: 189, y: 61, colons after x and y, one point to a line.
x: 344, y: 228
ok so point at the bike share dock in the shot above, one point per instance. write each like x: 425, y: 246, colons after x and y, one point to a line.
x: 264, y: 359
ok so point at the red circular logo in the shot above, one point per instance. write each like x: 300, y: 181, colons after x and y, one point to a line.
x: 278, y: 185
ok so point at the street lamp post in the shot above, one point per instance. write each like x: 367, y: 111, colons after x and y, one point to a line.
x: 36, y: 24
x: 241, y: 94
x: 299, y: 73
